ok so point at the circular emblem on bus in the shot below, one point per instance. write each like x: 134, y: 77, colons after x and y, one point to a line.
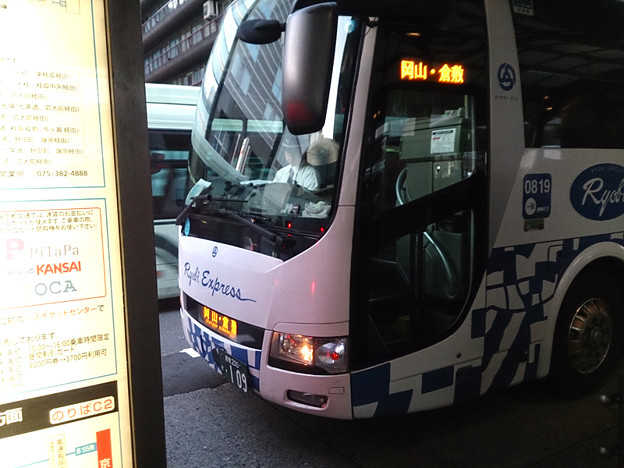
x: 215, y: 251
x: 506, y: 76
x: 598, y: 192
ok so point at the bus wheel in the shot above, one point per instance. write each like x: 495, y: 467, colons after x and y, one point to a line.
x: 588, y: 335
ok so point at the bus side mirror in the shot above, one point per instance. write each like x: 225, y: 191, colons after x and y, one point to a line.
x: 260, y: 31
x: 309, y: 46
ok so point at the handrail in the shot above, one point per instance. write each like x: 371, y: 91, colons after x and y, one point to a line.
x: 173, y: 51
x: 161, y: 14
x: 446, y: 264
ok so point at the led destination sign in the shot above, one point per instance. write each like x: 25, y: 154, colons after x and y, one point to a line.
x: 411, y: 70
x: 220, y: 323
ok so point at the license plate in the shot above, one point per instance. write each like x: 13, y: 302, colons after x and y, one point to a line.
x: 233, y: 370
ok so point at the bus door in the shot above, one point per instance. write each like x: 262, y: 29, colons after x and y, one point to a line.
x: 420, y: 235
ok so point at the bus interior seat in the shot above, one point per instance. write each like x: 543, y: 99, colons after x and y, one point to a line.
x: 326, y: 173
x: 323, y: 155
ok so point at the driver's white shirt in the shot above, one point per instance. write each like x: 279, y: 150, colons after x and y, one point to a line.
x: 305, y: 175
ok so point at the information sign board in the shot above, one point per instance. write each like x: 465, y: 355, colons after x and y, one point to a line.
x: 65, y: 384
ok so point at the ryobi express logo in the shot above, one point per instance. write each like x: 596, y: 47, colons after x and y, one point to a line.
x: 598, y: 192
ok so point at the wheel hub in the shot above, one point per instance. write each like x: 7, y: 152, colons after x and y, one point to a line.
x: 596, y: 337
x: 590, y: 336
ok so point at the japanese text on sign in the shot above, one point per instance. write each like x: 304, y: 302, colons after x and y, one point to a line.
x: 419, y: 71
x: 11, y: 416
x: 82, y: 410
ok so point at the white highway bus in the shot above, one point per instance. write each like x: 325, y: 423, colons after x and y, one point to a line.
x: 453, y: 222
x: 170, y: 118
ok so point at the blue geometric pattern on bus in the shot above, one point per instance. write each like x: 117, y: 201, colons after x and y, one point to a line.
x: 523, y: 293
x: 527, y: 285
x: 521, y: 280
x: 203, y: 342
x: 437, y: 379
x: 372, y: 386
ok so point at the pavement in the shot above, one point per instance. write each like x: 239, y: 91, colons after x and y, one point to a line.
x: 208, y: 423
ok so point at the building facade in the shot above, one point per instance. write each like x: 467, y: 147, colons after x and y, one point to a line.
x: 177, y: 38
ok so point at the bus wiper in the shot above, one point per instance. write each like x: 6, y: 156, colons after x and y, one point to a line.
x: 283, y: 242
x: 255, y: 183
x: 203, y: 196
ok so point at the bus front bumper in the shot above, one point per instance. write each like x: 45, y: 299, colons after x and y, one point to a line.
x: 248, y: 370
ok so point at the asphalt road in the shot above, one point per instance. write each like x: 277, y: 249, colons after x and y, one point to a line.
x: 211, y: 424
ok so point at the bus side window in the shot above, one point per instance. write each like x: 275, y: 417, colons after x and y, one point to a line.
x: 169, y: 151
x: 592, y: 121
x: 570, y: 68
x: 587, y: 121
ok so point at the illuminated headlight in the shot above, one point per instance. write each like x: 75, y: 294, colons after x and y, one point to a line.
x: 309, y: 354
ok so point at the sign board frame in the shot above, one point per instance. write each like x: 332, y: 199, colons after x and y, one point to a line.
x: 81, y: 377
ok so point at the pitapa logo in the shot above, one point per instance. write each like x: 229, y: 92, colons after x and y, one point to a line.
x: 597, y: 193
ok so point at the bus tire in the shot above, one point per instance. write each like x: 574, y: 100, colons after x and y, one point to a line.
x: 588, y: 335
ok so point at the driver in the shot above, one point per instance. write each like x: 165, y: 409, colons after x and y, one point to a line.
x: 297, y: 170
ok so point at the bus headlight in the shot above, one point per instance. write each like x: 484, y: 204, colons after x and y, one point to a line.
x: 308, y: 354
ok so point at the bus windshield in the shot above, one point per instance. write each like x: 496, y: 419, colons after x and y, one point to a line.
x: 242, y: 150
